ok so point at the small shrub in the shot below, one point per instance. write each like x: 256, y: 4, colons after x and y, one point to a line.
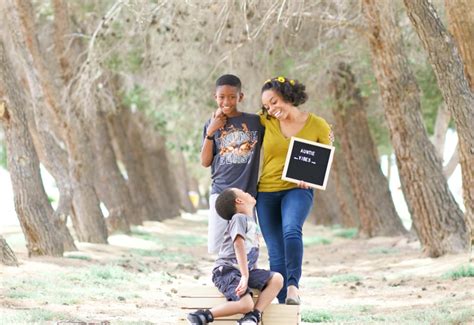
x: 316, y: 316
x: 461, y: 272
x: 345, y: 278
x: 316, y: 240
x: 79, y: 257
x: 346, y: 233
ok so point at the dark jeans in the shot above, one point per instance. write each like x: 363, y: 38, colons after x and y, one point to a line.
x: 281, y: 216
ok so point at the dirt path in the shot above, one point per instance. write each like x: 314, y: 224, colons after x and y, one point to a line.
x: 134, y: 279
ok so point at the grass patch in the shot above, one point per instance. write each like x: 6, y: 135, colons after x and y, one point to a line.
x: 78, y: 257
x: 35, y: 315
x: 164, y: 256
x: 367, y: 315
x: 463, y: 271
x: 316, y: 240
x: 170, y: 240
x: 96, y: 283
x: 383, y: 250
x: 316, y: 316
x: 346, y: 233
x: 346, y: 278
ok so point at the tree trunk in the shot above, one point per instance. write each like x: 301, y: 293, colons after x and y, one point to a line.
x: 156, y: 166
x: 437, y: 218
x: 110, y: 184
x: 453, y: 77
x: 344, y: 192
x: 55, y: 160
x: 378, y: 216
x: 136, y: 179
x: 181, y: 176
x: 460, y: 15
x: 7, y: 256
x: 31, y: 202
x: 326, y: 210
x: 87, y: 217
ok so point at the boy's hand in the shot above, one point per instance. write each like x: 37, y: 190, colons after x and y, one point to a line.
x: 242, y: 287
x: 218, y: 121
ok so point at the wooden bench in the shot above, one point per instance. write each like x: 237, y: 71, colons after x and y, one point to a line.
x: 205, y: 297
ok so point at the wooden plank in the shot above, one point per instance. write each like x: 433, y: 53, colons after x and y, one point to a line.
x: 273, y: 313
x: 204, y: 297
x: 233, y: 322
x: 217, y: 322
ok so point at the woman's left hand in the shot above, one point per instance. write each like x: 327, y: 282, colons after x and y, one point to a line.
x: 304, y: 185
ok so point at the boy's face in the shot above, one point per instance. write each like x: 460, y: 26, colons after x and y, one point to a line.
x: 244, y: 197
x: 227, y: 98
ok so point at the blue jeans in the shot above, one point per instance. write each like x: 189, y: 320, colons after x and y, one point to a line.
x: 281, y: 216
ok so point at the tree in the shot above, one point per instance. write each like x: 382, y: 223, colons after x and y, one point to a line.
x: 31, y: 202
x: 453, y: 79
x: 436, y: 217
x: 68, y: 119
x: 7, y: 256
x: 378, y: 216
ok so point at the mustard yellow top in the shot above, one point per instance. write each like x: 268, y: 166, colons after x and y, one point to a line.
x: 275, y: 147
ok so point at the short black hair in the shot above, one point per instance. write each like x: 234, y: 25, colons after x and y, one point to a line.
x: 292, y: 91
x: 229, y: 80
x: 225, y: 204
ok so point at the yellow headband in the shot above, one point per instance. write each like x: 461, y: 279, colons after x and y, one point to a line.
x: 281, y: 79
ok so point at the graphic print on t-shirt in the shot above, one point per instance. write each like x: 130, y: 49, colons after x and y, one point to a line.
x: 236, y: 144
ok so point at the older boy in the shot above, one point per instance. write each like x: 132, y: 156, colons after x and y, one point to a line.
x: 231, y: 147
x: 235, y: 270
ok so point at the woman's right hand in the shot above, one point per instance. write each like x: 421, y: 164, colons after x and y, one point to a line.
x: 218, y: 120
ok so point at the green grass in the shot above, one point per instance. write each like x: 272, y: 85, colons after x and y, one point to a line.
x: 346, y: 233
x: 78, y: 257
x: 383, y: 250
x: 316, y: 240
x: 28, y: 316
x: 346, y: 278
x: 463, y: 271
x: 95, y: 283
x: 166, y: 241
x: 164, y: 256
x: 359, y: 315
x: 316, y: 316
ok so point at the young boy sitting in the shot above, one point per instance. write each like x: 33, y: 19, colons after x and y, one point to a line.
x: 235, y: 269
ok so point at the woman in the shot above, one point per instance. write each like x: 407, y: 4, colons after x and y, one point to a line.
x: 282, y: 207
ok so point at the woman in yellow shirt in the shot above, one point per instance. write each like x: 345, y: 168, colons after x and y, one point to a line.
x: 282, y: 207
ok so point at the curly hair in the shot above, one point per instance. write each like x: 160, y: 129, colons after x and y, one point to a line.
x: 225, y: 204
x: 292, y: 91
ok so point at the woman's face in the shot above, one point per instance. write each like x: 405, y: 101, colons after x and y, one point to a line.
x: 275, y: 105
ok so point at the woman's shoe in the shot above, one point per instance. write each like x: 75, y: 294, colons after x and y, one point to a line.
x: 293, y: 301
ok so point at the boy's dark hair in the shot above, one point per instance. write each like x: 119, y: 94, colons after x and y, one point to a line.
x: 229, y: 80
x: 225, y: 204
x: 292, y: 91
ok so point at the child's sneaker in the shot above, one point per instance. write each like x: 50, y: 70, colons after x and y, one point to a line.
x: 200, y: 317
x: 251, y: 318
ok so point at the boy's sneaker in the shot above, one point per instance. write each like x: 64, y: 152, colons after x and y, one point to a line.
x: 200, y: 317
x: 251, y: 318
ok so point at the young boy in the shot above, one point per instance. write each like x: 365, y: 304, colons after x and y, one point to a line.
x: 235, y: 270
x: 231, y: 147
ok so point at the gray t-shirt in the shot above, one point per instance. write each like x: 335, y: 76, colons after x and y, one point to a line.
x: 239, y: 225
x: 236, y: 152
